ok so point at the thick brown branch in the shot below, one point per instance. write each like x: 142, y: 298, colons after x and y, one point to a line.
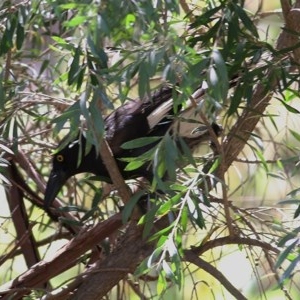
x: 19, y: 215
x: 66, y: 257
x: 114, y: 172
x: 132, y: 250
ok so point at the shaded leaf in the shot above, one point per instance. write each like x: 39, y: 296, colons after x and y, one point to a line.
x: 74, y: 68
x: 140, y: 142
x: 128, y: 208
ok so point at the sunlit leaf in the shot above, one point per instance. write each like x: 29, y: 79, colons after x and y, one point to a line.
x: 133, y: 165
x: 75, y: 21
x: 161, y: 283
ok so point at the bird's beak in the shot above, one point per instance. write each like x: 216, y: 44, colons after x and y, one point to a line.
x: 56, y: 181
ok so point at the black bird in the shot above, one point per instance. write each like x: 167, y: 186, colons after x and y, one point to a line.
x: 133, y: 120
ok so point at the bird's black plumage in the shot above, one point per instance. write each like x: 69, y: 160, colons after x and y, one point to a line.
x: 126, y: 123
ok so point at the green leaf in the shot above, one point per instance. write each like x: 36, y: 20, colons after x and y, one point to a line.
x: 154, y: 256
x: 290, y: 269
x: 75, y: 21
x: 187, y: 153
x: 100, y: 95
x: 133, y: 165
x: 80, y: 77
x: 262, y: 159
x: 44, y: 67
x: 284, y: 254
x: 69, y: 6
x: 74, y: 68
x: 195, y: 212
x: 143, y: 80
x: 83, y: 104
x: 289, y: 236
x: 161, y: 241
x: 72, y: 208
x: 146, y: 156
x: 168, y: 205
x: 148, y: 221
x: 162, y: 232
x: 89, y: 214
x: 297, y: 212
x: 72, y: 113
x: 97, y: 197
x: 170, y: 157
x: 142, y: 268
x: 140, y: 142
x: 102, y: 25
x: 161, y: 283
x: 277, y: 175
x: 215, y: 165
x: 172, y: 249
x: 235, y: 100
x: 159, y: 164
x: 294, y: 192
x: 97, y: 117
x: 128, y: 209
x: 184, y: 219
x: 168, y: 271
x: 245, y: 19
x: 7, y: 37
x: 99, y: 54
x: 217, y: 77
x: 206, y: 17
x: 295, y: 134
x: 58, y: 39
x: 20, y: 36
x: 289, y: 107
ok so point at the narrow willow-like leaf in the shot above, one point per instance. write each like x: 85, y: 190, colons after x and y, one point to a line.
x: 140, y: 142
x: 74, y: 68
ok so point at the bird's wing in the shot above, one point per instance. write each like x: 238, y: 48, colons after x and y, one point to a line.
x: 131, y: 120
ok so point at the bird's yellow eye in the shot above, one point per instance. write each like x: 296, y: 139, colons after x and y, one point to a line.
x: 60, y: 158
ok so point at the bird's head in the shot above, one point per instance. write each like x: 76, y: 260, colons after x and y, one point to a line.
x: 73, y: 159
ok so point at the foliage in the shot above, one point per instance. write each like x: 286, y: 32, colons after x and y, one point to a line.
x: 66, y: 64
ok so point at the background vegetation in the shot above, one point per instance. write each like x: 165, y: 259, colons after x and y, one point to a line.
x: 227, y: 228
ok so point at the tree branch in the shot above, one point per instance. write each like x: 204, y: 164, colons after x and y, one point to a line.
x: 210, y: 269
x: 65, y: 258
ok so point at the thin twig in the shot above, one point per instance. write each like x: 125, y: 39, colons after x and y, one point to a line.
x: 210, y: 269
